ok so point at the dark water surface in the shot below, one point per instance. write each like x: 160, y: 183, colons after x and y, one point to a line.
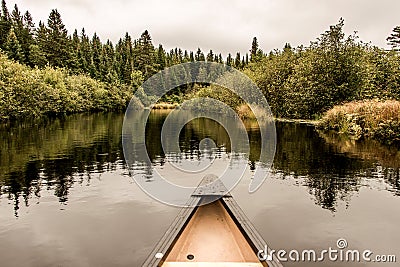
x: 67, y: 198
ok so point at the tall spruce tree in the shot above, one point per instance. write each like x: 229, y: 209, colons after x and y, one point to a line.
x: 229, y: 60
x: 41, y: 43
x: 27, y: 39
x: 5, y: 24
x: 210, y: 56
x: 394, y: 39
x: 13, y: 47
x: 253, y: 50
x: 161, y: 58
x: 237, y: 61
x: 145, y: 57
x: 57, y: 46
x: 199, y: 55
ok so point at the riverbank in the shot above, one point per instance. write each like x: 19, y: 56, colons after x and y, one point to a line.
x: 31, y: 92
x: 375, y: 119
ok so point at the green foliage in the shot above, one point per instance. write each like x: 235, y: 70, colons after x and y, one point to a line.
x: 14, y: 50
x: 27, y: 92
x: 305, y: 82
x: 301, y: 82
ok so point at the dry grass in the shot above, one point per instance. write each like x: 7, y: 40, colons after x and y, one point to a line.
x: 379, y: 119
x: 164, y: 105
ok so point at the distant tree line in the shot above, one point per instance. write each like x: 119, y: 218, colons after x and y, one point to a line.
x: 300, y: 82
x: 304, y: 82
x: 51, y: 44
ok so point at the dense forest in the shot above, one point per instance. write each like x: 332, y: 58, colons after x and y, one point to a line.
x: 67, y: 73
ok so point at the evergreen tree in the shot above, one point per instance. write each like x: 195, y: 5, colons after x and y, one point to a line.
x: 96, y: 51
x: 180, y: 55
x: 16, y: 18
x: 191, y: 56
x: 210, y: 56
x: 199, y: 55
x: 216, y: 58
x: 287, y: 47
x: 36, y: 56
x: 186, y: 57
x: 229, y: 60
x: 27, y: 39
x: 394, y: 39
x: 145, y: 57
x: 253, y: 50
x: 161, y: 58
x: 41, y: 42
x: 85, y: 53
x: 4, y: 11
x: 57, y: 47
x: 5, y: 24
x: 13, y: 47
x: 237, y: 61
x: 23, y: 28
x: 107, y: 57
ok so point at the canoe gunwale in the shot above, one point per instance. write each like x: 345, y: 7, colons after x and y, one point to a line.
x: 174, y: 231
x: 250, y: 233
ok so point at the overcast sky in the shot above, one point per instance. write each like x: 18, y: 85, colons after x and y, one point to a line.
x: 222, y: 25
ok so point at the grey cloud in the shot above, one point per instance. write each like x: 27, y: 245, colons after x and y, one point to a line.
x: 225, y: 25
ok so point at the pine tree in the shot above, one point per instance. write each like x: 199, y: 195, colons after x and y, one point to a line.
x: 229, y: 60
x: 237, y: 61
x: 161, y: 58
x: 253, y: 50
x: 96, y: 51
x: 199, y: 55
x: 180, y: 55
x: 36, y: 56
x: 127, y: 52
x: 394, y: 39
x: 27, y: 36
x: 107, y: 56
x: 191, y: 56
x: 216, y: 58
x: 41, y: 42
x: 4, y: 11
x: 186, y: 57
x: 16, y: 17
x: 57, y: 47
x: 23, y: 28
x: 5, y: 24
x: 145, y: 57
x: 13, y: 48
x: 210, y: 56
x: 287, y: 47
x: 84, y: 53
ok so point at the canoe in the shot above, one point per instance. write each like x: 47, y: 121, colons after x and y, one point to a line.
x: 215, y: 234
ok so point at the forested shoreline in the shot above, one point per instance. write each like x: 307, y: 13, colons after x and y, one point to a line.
x: 45, y: 70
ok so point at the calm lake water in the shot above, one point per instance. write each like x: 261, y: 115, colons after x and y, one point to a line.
x: 67, y: 198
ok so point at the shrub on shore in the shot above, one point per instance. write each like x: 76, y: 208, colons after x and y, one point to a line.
x: 27, y: 92
x: 368, y: 118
